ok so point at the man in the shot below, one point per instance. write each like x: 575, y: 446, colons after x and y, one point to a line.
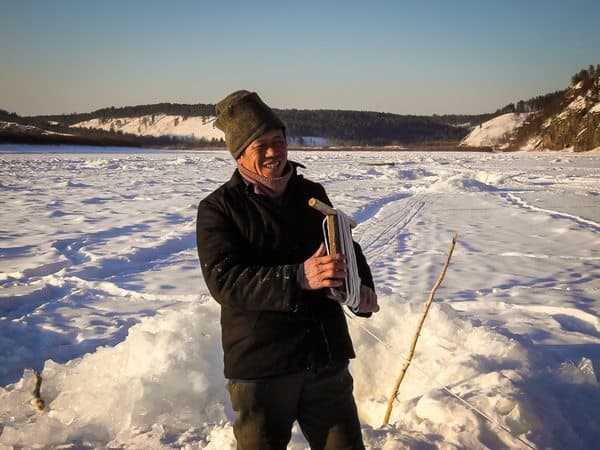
x: 286, y: 344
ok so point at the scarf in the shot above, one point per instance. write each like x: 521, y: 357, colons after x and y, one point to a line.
x: 271, y: 187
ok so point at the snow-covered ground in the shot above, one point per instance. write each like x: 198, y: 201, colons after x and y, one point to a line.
x: 102, y: 292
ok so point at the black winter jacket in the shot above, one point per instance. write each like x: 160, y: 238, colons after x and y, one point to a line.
x: 250, y: 248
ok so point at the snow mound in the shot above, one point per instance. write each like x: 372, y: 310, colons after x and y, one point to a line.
x: 162, y: 387
x: 166, y: 372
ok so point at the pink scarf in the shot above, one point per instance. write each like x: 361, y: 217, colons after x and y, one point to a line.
x: 271, y: 187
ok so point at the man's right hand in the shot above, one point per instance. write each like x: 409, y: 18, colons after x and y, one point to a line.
x: 322, y: 270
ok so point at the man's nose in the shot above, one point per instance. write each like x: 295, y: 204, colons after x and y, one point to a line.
x: 272, y: 150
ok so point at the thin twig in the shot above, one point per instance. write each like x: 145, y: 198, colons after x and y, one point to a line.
x: 36, y: 400
x: 390, y: 405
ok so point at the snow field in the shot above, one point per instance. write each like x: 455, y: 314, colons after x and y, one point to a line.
x: 102, y: 292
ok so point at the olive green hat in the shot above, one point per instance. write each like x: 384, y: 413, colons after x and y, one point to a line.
x: 243, y: 117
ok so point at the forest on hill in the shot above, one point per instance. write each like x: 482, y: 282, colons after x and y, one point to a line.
x: 340, y: 127
x: 567, y: 119
x: 370, y: 128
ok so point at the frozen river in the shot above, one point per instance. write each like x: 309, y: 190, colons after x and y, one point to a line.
x: 101, y: 291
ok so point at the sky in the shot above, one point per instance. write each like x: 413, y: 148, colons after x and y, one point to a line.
x: 405, y: 57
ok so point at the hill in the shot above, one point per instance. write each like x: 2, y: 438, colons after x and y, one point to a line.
x: 304, y: 127
x: 567, y: 119
x: 180, y: 125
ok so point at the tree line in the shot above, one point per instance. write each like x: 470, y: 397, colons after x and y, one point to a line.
x: 338, y: 126
x: 175, y: 109
x: 551, y: 100
x: 586, y: 76
x: 5, y: 116
x: 533, y: 104
x: 369, y: 128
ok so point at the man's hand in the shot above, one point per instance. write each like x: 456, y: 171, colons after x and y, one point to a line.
x: 368, y: 300
x: 322, y: 270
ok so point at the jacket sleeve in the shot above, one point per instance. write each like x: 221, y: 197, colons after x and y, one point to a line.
x: 232, y: 278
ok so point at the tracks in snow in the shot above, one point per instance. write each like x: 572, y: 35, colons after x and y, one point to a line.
x: 518, y: 201
x: 385, y: 222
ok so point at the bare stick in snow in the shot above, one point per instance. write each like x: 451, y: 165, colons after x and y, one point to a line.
x: 36, y: 400
x: 408, y: 359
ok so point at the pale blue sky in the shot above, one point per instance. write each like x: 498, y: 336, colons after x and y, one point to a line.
x: 408, y: 57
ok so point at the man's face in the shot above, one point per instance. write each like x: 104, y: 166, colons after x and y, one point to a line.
x: 266, y: 155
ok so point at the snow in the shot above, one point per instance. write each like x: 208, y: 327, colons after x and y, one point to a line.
x: 101, y: 291
x: 533, y: 143
x: 495, y: 132
x: 179, y: 126
x: 159, y: 125
x: 578, y: 104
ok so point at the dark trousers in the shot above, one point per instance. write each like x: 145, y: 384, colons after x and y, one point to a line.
x: 320, y: 400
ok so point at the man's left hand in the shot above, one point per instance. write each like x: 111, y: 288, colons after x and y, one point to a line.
x: 368, y: 300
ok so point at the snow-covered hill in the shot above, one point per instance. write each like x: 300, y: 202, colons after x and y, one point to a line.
x: 572, y: 122
x: 26, y: 129
x: 496, y: 132
x: 193, y: 127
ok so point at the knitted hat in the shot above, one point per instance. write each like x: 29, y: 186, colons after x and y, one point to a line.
x: 243, y: 117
